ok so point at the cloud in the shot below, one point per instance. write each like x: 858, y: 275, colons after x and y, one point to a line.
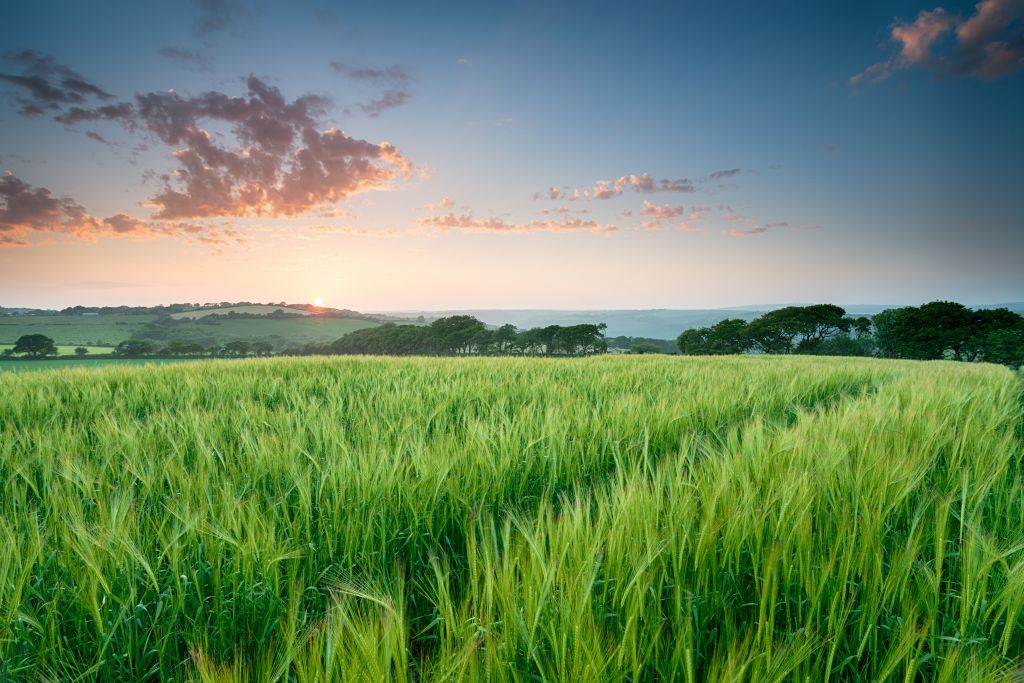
x: 190, y: 59
x: 48, y: 86
x: 353, y: 232
x: 663, y: 212
x: 215, y: 15
x: 26, y: 211
x: 727, y: 173
x: 644, y: 183
x: 268, y: 156
x: 394, y: 80
x: 282, y: 163
x: 445, y: 203
x: 756, y: 230
x: 467, y: 222
x: 987, y: 45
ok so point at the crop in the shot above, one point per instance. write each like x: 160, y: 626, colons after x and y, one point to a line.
x: 610, y: 518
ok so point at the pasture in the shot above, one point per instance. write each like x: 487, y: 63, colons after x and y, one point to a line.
x: 607, y: 518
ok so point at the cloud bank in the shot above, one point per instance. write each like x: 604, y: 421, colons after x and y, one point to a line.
x: 987, y: 45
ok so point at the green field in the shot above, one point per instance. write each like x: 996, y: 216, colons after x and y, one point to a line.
x: 110, y: 330
x: 600, y: 519
x: 86, y: 363
x: 73, y: 330
x: 70, y: 350
x: 253, y: 309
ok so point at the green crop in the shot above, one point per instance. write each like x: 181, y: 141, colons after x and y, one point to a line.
x: 600, y: 519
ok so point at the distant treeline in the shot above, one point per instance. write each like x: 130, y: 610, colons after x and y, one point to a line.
x: 170, y: 309
x: 937, y: 330
x: 464, y: 335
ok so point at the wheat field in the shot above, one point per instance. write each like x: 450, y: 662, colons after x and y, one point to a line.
x: 600, y: 519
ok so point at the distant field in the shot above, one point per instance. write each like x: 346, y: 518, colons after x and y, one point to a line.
x: 67, y: 363
x: 70, y: 350
x: 287, y: 331
x: 88, y: 330
x: 110, y: 330
x: 254, y: 310
x: 508, y: 520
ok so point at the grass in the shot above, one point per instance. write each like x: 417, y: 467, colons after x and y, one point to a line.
x: 73, y: 330
x: 612, y: 518
x: 70, y: 350
x: 110, y: 330
x: 65, y: 363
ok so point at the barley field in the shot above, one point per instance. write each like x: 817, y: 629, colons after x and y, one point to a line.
x: 601, y: 519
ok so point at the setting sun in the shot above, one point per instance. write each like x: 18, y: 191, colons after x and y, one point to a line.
x: 318, y: 301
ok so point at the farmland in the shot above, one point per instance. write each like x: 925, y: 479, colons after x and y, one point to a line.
x: 112, y: 329
x: 611, y: 518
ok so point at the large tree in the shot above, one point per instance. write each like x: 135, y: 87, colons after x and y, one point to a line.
x: 35, y: 346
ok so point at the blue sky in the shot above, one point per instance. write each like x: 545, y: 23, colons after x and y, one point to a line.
x: 867, y: 152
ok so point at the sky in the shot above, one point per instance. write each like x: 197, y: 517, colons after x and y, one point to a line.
x: 388, y: 156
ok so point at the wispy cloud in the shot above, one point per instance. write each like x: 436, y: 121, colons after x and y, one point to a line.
x: 394, y: 81
x: 215, y: 15
x: 644, y: 183
x: 467, y: 222
x: 189, y: 59
x: 444, y: 203
x: 987, y: 45
x: 47, y: 86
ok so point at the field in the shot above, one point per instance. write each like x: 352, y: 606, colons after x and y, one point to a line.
x: 253, y: 309
x: 600, y: 519
x: 73, y: 330
x: 65, y: 363
x: 110, y: 330
x: 70, y: 350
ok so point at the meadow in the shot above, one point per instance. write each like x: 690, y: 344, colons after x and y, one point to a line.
x: 112, y: 329
x: 597, y: 519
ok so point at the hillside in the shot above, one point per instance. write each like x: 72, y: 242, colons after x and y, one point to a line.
x: 252, y: 309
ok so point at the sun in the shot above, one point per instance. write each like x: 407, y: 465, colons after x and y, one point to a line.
x: 319, y: 301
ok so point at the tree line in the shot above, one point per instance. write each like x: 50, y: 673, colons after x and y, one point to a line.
x: 464, y: 335
x: 936, y: 330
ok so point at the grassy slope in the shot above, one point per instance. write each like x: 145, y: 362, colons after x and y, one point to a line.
x: 113, y: 329
x: 749, y: 518
x: 256, y: 309
x: 98, y: 330
x: 296, y: 331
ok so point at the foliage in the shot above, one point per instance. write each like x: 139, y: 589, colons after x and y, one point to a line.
x: 600, y: 519
x: 937, y: 330
x: 35, y: 346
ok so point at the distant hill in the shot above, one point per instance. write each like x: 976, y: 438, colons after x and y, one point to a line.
x: 657, y: 323
x: 253, y: 309
x: 653, y: 323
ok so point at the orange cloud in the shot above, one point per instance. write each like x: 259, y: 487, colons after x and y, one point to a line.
x: 26, y: 211
x: 987, y: 45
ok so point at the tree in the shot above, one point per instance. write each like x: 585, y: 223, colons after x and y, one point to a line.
x: 35, y: 346
x: 237, y: 347
x: 455, y: 334
x: 134, y: 348
x: 643, y: 348
x: 262, y: 348
x: 81, y: 351
x: 936, y: 330
x: 728, y: 336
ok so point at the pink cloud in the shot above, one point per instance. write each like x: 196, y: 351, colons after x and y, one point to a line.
x: 989, y: 44
x: 467, y: 222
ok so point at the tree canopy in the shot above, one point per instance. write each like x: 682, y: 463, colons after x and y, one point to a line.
x: 35, y: 346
